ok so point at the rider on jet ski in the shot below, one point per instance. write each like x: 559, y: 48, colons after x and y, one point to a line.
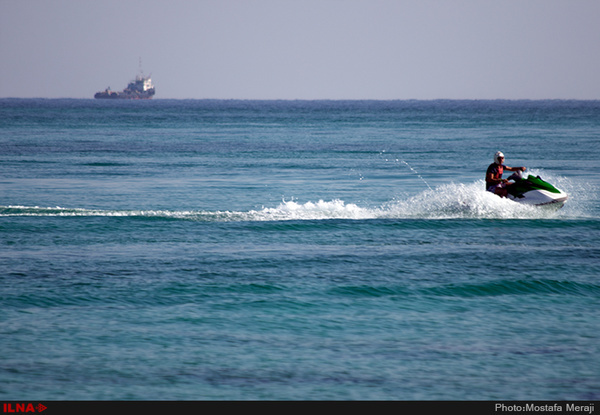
x: 493, y: 177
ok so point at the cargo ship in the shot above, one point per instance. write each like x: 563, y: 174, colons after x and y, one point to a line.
x: 140, y: 88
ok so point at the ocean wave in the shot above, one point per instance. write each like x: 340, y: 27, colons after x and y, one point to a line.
x: 483, y: 289
x: 517, y: 287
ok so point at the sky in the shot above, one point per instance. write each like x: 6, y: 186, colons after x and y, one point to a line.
x: 303, y: 49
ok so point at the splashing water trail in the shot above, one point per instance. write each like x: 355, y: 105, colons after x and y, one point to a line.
x: 450, y: 201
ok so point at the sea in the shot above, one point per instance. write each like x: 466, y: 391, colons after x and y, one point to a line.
x: 296, y: 250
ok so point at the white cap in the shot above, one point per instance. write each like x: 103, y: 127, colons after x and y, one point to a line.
x: 497, y: 157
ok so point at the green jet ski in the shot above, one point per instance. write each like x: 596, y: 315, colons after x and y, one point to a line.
x: 535, y: 191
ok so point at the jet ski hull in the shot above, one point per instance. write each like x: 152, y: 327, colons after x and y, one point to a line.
x: 541, y: 198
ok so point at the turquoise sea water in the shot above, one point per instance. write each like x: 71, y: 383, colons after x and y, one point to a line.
x: 296, y: 250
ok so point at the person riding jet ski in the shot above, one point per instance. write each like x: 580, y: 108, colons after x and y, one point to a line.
x: 493, y: 177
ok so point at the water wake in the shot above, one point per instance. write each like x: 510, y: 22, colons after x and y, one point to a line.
x: 451, y: 201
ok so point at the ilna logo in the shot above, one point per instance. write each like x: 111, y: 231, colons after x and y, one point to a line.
x: 23, y: 407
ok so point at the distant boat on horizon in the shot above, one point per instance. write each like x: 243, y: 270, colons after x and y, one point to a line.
x: 140, y: 88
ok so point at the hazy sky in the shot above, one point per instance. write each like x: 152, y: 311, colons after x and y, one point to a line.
x: 303, y: 49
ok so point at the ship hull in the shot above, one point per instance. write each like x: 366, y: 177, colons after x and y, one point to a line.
x: 123, y: 95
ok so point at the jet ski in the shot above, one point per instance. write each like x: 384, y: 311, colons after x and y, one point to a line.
x: 535, y: 191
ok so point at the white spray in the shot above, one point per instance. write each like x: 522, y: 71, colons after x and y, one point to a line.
x: 410, y: 167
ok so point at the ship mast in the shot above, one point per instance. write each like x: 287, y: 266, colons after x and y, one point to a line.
x: 140, y: 75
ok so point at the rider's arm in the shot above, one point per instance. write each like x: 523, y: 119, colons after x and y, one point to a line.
x: 493, y: 178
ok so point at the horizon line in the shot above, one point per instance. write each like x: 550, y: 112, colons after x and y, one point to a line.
x: 310, y: 99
